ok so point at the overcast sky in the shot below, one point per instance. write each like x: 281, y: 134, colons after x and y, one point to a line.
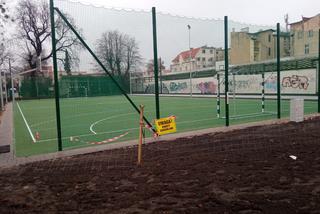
x: 266, y: 12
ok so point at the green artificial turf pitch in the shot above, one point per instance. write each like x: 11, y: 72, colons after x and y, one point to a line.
x: 95, y: 119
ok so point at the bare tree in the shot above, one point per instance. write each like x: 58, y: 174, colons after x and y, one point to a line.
x: 118, y: 52
x: 4, y: 54
x: 150, y: 66
x: 66, y: 63
x: 5, y: 19
x: 33, y: 20
x: 4, y: 15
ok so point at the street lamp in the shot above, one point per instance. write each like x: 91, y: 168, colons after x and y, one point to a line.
x: 1, y: 93
x: 160, y: 72
x: 12, y: 86
x: 190, y: 61
x: 130, y: 89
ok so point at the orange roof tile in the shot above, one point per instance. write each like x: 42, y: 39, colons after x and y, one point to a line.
x: 186, y: 54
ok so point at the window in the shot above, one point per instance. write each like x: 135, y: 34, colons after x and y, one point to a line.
x: 211, y: 51
x: 203, y: 59
x: 269, y: 38
x: 204, y: 51
x: 210, y: 59
x: 310, y: 33
x: 300, y: 34
x: 269, y: 51
x: 306, y: 49
x: 198, y: 59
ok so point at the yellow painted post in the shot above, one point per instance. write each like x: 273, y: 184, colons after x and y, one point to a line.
x: 140, y: 135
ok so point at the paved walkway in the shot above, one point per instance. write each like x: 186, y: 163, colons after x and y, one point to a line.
x: 6, y: 136
x: 8, y: 159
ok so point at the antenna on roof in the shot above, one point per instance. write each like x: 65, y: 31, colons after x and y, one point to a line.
x: 286, y: 21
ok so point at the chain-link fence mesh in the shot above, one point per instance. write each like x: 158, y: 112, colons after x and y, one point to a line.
x: 106, y: 69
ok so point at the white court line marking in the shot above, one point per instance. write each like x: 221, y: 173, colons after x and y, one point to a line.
x: 107, y: 118
x: 129, y: 129
x: 102, y: 112
x: 25, y: 121
x: 70, y: 117
x: 84, y: 135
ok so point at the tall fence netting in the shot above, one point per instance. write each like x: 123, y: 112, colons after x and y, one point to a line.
x: 298, y: 69
x: 98, y: 104
x: 94, y: 107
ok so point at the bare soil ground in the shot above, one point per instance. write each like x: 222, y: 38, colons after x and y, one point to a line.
x: 242, y: 171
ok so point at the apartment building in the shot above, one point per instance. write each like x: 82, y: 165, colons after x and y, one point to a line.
x: 305, y: 36
x: 220, y: 54
x: 259, y: 46
x: 195, y: 59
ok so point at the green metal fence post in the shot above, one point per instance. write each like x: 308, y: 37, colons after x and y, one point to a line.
x: 226, y: 68
x: 155, y: 61
x: 278, y: 73
x: 1, y: 93
x: 263, y: 92
x: 319, y: 71
x: 218, y: 96
x: 55, y: 70
x: 160, y: 71
x: 11, y: 79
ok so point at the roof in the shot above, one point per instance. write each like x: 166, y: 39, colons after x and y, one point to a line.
x: 283, y: 34
x: 304, y: 19
x: 186, y: 54
x: 262, y: 31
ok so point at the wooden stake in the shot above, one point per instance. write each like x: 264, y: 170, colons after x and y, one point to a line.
x: 140, y: 135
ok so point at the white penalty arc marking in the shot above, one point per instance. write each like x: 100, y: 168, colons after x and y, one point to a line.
x: 85, y: 135
x: 107, y: 118
x: 25, y: 121
x: 121, y: 130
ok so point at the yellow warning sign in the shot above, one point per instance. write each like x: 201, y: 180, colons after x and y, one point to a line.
x: 166, y: 125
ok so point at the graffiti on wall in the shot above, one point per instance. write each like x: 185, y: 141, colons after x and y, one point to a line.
x: 270, y: 84
x: 249, y: 83
x: 295, y: 81
x: 244, y: 84
x: 178, y: 87
x: 150, y: 89
x: 207, y: 87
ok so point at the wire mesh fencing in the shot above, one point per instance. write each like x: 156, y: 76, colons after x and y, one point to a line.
x: 206, y: 73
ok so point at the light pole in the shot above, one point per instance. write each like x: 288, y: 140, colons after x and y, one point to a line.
x: 190, y: 60
x: 130, y: 89
x: 5, y: 87
x: 1, y: 92
x: 12, y: 87
x: 160, y: 72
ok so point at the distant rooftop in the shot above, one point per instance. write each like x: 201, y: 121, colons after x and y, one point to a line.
x: 304, y: 19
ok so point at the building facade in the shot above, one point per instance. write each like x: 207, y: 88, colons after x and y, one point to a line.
x: 195, y: 59
x: 305, y: 36
x: 256, y: 47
